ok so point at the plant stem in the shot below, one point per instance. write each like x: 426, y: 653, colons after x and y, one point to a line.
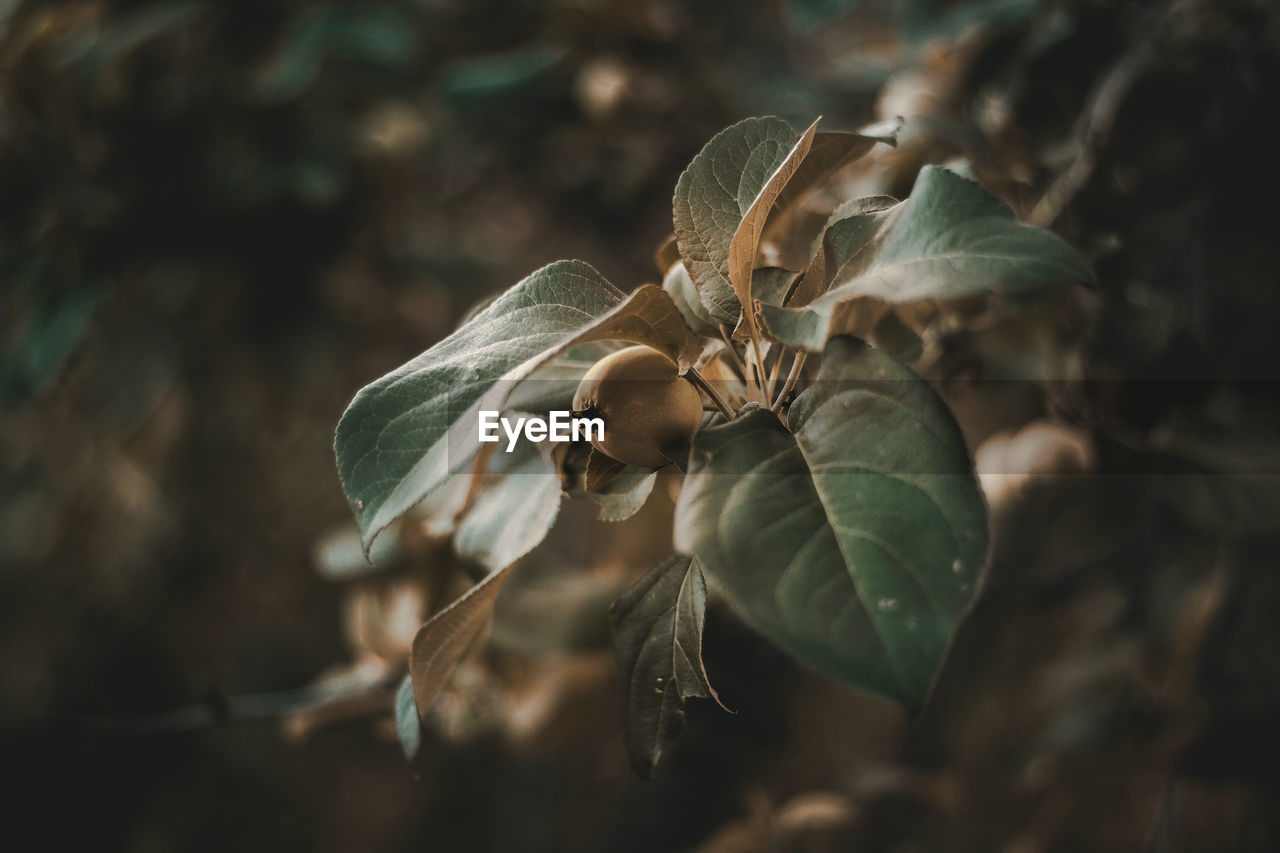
x: 733, y: 354
x: 701, y: 382
x: 777, y: 368
x: 761, y: 389
x: 792, y: 378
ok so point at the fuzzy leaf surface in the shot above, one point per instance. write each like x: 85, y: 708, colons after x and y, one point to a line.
x: 716, y: 193
x: 409, y: 432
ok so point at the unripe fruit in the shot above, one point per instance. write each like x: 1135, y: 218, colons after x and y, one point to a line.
x: 646, y: 406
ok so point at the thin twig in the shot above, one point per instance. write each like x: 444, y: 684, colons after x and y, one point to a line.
x: 758, y: 370
x: 700, y: 381
x: 777, y: 368
x: 793, y: 377
x: 733, y: 353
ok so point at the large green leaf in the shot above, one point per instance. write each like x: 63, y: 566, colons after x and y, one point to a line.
x: 949, y: 241
x: 733, y: 180
x: 406, y: 434
x: 856, y: 539
x: 657, y: 639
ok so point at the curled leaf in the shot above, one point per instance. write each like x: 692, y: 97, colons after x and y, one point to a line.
x: 950, y: 241
x: 715, y: 194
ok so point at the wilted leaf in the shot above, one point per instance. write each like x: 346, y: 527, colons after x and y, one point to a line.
x: 716, y: 193
x: 404, y: 435
x: 746, y: 240
x: 441, y: 643
x: 649, y: 316
x: 831, y: 151
x: 949, y: 241
x: 855, y: 541
x: 657, y: 638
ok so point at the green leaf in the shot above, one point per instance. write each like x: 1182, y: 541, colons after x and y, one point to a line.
x: 657, y: 639
x: 472, y: 80
x: 408, y: 721
x: 831, y: 151
x: 406, y: 434
x: 33, y: 355
x: 856, y: 540
x: 949, y: 241
x: 377, y: 37
x: 846, y: 239
x: 518, y: 500
x: 771, y: 285
x: 685, y: 295
x: 721, y: 189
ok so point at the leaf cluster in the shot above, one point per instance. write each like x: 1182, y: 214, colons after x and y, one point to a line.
x: 831, y: 503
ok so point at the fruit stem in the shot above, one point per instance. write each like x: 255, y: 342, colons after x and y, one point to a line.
x: 792, y: 378
x: 701, y: 382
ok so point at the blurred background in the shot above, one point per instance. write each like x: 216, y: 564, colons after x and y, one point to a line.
x: 219, y: 220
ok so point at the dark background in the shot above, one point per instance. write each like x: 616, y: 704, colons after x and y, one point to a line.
x: 219, y: 220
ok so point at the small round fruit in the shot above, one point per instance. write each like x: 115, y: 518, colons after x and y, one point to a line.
x: 646, y: 406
